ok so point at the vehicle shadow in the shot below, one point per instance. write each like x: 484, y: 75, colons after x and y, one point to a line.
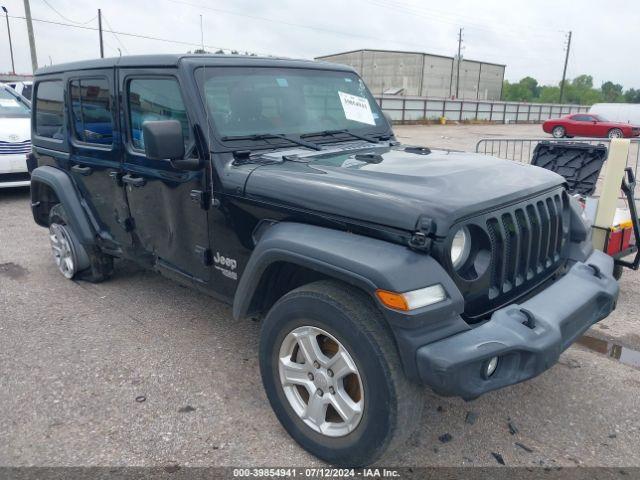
x: 16, y: 193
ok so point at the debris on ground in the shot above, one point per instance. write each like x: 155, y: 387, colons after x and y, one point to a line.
x: 171, y: 468
x: 141, y: 398
x: 446, y: 438
x: 440, y: 409
x: 571, y: 363
x: 187, y: 409
x: 471, y: 418
x: 524, y: 447
x: 613, y: 435
x: 498, y: 458
x: 512, y: 427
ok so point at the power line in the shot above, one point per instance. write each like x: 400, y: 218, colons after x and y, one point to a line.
x: 114, y: 35
x: 454, y: 19
x: 66, y: 18
x: 126, y: 34
x: 292, y: 24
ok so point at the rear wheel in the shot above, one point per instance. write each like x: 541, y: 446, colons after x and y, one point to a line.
x: 615, y: 133
x: 558, y: 132
x: 71, y: 257
x: 333, y: 376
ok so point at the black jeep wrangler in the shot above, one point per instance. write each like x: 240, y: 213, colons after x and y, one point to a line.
x: 278, y: 186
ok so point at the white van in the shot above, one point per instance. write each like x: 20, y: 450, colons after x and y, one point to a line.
x: 23, y: 88
x: 15, y: 138
x: 618, y: 112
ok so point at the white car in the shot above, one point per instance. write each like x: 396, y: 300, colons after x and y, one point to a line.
x: 15, y: 138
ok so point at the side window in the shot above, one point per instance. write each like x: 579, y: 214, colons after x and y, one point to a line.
x: 50, y: 109
x: 582, y: 118
x: 91, y: 110
x: 154, y: 99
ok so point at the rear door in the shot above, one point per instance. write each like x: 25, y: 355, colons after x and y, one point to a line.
x: 170, y: 221
x: 95, y: 160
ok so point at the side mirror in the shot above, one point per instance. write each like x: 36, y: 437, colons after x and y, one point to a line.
x: 163, y: 140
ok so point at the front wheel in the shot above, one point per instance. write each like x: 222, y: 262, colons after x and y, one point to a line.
x: 558, y: 132
x: 333, y: 376
x: 615, y: 133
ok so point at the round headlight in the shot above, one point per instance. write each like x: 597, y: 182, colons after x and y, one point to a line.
x: 460, y: 247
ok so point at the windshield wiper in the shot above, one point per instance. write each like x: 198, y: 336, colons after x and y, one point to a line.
x: 267, y: 136
x: 326, y: 133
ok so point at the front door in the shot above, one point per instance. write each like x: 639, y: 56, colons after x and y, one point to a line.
x: 95, y: 159
x: 169, y: 220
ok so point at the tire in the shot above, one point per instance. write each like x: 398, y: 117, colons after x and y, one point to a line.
x: 617, y: 272
x: 71, y: 257
x: 558, y: 132
x: 615, y: 133
x: 390, y: 404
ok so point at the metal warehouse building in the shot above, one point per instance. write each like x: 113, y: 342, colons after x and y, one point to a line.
x: 423, y: 74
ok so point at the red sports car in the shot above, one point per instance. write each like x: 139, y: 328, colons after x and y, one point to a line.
x: 588, y: 125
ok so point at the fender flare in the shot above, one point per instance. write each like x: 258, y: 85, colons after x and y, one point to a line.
x: 62, y: 185
x: 364, y: 262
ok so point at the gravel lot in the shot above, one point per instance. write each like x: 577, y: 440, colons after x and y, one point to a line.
x: 75, y: 356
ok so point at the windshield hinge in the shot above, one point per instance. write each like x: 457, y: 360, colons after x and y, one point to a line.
x: 421, y: 237
x: 201, y: 198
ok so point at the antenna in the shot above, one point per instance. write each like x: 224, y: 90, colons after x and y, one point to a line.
x: 206, y: 113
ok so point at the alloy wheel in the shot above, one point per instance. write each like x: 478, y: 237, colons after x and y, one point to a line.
x: 615, y: 133
x: 321, y: 381
x: 62, y: 250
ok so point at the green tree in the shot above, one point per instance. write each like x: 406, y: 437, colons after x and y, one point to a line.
x: 632, y: 96
x: 612, y: 92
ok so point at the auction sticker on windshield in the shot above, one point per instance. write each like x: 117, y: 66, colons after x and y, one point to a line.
x: 356, y: 108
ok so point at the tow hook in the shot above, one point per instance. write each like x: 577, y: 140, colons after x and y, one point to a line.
x: 596, y: 270
x: 530, y: 321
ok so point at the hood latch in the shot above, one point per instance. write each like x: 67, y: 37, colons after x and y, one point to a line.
x: 421, y: 237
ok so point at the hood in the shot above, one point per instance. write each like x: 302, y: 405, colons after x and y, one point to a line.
x: 398, y: 184
x: 15, y: 129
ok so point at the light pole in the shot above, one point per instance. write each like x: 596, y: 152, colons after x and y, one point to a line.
x: 6, y: 14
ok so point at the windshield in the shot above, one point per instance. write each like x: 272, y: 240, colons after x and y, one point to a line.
x: 11, y: 107
x: 246, y: 101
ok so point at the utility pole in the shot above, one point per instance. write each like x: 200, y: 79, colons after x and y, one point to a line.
x: 100, y: 33
x: 459, y: 60
x: 6, y: 14
x: 566, y: 61
x: 32, y: 39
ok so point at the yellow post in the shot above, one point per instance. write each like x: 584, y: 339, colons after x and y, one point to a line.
x: 607, y: 203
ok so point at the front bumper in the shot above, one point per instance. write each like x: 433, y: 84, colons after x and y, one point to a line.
x: 13, y: 171
x: 561, y: 313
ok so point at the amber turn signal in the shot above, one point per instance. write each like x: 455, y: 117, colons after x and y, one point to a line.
x: 392, y: 300
x: 412, y: 300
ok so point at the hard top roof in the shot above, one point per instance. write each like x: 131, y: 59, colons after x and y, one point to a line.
x: 173, y: 60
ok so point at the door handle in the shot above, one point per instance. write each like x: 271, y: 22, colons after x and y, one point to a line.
x: 132, y: 180
x: 81, y: 170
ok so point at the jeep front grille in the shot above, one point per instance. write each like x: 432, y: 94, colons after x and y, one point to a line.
x: 525, y: 243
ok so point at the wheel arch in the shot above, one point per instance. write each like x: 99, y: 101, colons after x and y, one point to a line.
x: 288, y: 255
x: 50, y: 186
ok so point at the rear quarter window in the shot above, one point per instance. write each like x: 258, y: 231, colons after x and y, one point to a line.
x: 91, y: 110
x: 49, y: 109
